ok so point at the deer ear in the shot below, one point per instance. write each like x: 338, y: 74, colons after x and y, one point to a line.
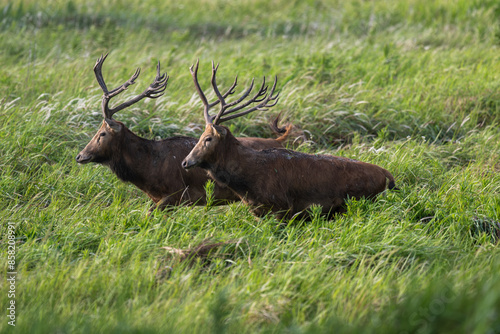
x: 113, y: 125
x: 221, y: 131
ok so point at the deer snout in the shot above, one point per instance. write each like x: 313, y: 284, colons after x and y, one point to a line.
x: 188, y: 163
x: 82, y: 158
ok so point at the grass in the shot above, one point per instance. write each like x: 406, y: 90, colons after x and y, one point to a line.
x: 410, y: 85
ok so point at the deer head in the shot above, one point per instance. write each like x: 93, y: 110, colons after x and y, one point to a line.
x: 106, y: 142
x: 205, y: 150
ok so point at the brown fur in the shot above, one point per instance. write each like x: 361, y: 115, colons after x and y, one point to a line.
x: 155, y: 166
x: 283, y: 181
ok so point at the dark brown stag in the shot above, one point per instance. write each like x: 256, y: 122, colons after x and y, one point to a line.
x: 155, y: 166
x: 284, y: 182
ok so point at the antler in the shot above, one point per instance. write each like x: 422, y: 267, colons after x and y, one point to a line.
x: 263, y: 99
x: 154, y: 90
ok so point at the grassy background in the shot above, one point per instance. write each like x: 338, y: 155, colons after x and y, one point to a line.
x: 413, y: 86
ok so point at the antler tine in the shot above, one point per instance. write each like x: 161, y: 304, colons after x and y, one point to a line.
x: 261, y: 106
x: 100, y: 80
x: 129, y: 82
x: 214, y: 85
x: 98, y: 72
x: 221, y: 99
x: 230, y: 91
x: 155, y: 90
x: 194, y: 74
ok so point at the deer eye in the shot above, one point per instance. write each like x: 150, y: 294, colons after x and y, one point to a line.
x: 102, y: 134
x: 208, y: 139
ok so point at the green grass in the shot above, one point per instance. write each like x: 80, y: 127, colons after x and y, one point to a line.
x: 413, y: 86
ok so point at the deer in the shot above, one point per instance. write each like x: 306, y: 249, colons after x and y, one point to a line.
x: 284, y: 182
x: 154, y: 166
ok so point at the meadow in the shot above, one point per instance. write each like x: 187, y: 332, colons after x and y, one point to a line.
x: 410, y: 85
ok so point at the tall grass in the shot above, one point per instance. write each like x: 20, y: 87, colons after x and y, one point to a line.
x: 412, y: 86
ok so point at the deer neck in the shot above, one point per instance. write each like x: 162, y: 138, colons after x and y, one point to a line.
x: 131, y: 158
x: 231, y: 162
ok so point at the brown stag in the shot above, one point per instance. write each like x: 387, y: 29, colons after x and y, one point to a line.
x: 284, y: 182
x: 154, y: 166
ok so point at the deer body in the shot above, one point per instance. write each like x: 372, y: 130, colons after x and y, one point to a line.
x: 283, y: 181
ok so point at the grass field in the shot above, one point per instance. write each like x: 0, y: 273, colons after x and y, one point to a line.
x: 413, y: 86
